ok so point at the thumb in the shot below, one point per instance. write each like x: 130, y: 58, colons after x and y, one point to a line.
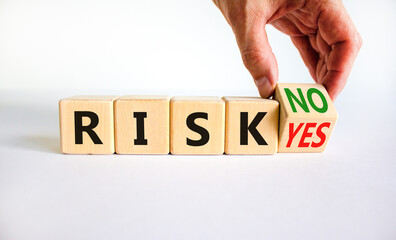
x: 257, y: 55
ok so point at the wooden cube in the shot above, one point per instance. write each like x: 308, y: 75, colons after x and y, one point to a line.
x: 142, y: 124
x: 251, y: 125
x: 307, y: 117
x: 86, y: 124
x: 197, y: 125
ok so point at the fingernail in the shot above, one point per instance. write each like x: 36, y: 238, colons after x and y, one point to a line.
x: 264, y: 86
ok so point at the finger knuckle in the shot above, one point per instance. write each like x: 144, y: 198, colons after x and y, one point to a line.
x: 251, y: 57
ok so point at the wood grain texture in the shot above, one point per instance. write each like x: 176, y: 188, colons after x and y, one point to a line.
x: 307, y: 117
x: 267, y: 127
x: 156, y: 124
x: 102, y: 106
x: 181, y: 109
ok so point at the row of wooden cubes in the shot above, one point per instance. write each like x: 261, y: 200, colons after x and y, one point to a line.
x: 300, y: 119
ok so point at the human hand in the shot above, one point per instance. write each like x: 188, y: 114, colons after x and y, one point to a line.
x: 322, y: 31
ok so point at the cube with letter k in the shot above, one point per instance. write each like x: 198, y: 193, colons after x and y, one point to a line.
x: 307, y: 117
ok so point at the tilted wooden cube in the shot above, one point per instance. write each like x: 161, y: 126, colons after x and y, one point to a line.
x: 142, y: 124
x: 307, y: 117
x: 197, y: 125
x: 251, y: 125
x: 86, y: 124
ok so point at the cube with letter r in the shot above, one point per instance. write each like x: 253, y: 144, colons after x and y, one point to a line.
x: 87, y: 125
x: 307, y: 117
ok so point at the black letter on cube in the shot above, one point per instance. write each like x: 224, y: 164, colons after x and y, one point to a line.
x: 79, y: 128
x: 140, y: 116
x: 202, y: 131
x: 252, y: 128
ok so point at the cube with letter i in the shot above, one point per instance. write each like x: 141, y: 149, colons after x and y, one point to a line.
x: 307, y: 117
x: 142, y: 124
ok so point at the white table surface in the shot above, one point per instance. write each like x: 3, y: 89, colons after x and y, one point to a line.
x: 347, y: 192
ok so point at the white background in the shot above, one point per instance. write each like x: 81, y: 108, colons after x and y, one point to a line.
x: 54, y: 49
